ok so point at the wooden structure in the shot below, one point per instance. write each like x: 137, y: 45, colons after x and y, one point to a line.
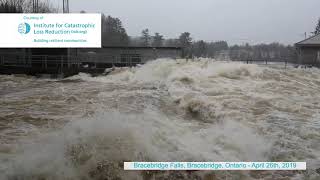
x: 309, y: 51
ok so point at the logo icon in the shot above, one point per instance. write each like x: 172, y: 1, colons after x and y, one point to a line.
x: 24, y: 28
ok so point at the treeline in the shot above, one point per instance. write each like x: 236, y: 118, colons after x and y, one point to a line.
x: 219, y: 49
x: 273, y: 51
x: 114, y: 34
x: 11, y: 6
x: 25, y: 6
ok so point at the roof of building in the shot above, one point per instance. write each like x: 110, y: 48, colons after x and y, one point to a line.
x: 312, y: 41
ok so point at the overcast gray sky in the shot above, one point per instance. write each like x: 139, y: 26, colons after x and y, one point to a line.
x: 236, y: 21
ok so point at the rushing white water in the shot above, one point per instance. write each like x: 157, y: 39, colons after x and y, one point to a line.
x: 85, y: 127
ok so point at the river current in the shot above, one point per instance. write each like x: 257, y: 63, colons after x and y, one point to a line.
x: 85, y: 127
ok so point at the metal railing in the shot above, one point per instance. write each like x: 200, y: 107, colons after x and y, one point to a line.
x: 285, y: 62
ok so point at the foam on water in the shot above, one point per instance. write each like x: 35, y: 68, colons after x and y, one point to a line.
x: 174, y: 110
x: 108, y: 138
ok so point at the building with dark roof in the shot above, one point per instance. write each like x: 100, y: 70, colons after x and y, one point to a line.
x: 309, y: 51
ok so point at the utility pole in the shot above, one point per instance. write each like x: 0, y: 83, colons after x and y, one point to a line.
x: 65, y: 6
x: 66, y: 10
x: 35, y: 6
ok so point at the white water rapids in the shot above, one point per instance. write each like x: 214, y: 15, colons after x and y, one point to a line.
x: 85, y: 127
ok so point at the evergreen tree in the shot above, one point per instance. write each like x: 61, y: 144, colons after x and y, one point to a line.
x: 113, y: 33
x: 185, y: 42
x: 200, y: 49
x: 145, y: 37
x: 317, y: 30
x: 157, y: 40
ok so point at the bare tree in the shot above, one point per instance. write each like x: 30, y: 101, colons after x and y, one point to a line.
x: 11, y: 6
x: 44, y: 6
x: 27, y: 6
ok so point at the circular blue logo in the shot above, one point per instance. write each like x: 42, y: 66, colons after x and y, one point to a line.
x: 24, y: 28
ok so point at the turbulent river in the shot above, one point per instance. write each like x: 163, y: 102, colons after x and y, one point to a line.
x: 85, y: 127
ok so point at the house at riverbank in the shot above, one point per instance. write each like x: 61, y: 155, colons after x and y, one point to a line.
x: 309, y: 51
